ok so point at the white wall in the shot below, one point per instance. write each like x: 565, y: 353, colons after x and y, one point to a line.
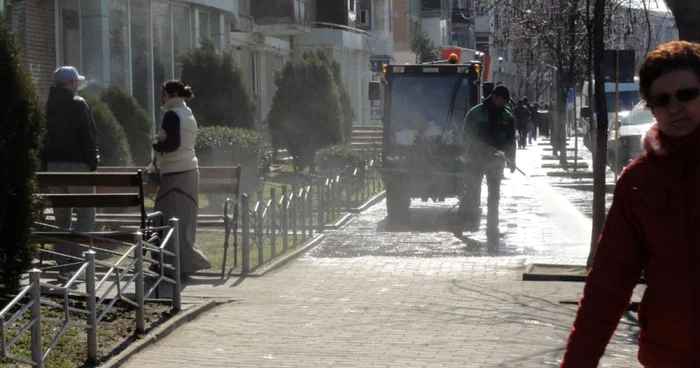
x: 484, y: 23
x: 226, y: 5
x: 382, y: 31
x: 434, y: 30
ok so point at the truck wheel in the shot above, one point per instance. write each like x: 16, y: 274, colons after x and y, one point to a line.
x: 397, y: 204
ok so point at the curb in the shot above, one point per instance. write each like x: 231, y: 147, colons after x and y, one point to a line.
x: 161, y: 332
x: 370, y: 202
x: 280, y: 262
x: 340, y: 223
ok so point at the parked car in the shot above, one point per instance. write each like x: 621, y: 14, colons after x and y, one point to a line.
x: 625, y: 137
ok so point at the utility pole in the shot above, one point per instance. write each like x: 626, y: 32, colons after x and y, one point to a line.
x: 599, y: 162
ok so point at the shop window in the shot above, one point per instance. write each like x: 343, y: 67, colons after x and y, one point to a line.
x: 119, y: 43
x: 70, y: 40
x: 140, y: 48
x: 162, y: 46
x: 181, y: 35
x: 204, y: 26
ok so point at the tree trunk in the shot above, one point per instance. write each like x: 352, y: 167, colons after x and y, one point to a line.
x: 686, y: 13
x: 602, y: 131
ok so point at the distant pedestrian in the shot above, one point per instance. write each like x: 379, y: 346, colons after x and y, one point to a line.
x: 651, y: 228
x: 175, y: 159
x: 70, y: 146
x: 545, y: 120
x: 535, y: 118
x: 522, y: 118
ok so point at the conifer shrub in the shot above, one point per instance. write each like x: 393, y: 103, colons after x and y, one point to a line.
x: 21, y: 133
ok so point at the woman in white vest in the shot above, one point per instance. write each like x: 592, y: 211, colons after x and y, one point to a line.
x: 178, y: 192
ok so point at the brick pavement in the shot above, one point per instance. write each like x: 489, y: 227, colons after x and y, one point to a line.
x: 369, y: 297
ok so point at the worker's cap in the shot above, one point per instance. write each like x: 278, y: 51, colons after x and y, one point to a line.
x: 66, y: 74
x: 501, y: 91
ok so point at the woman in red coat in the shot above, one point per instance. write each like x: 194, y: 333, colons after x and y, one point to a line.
x: 653, y: 228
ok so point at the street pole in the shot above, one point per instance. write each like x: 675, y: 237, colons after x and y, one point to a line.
x: 617, y: 111
x: 599, y: 163
x: 575, y: 133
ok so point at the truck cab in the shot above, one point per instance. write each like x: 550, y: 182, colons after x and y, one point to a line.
x: 422, y: 149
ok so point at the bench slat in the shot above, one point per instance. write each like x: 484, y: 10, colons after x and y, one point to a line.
x: 123, y: 190
x: 92, y: 200
x: 60, y: 236
x: 93, y: 179
x: 214, y: 172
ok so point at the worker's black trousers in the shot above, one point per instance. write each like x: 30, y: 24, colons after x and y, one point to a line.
x: 470, y: 202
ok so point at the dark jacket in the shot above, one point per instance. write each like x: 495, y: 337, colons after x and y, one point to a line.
x: 651, y: 228
x: 485, y: 128
x: 522, y: 114
x: 71, y: 134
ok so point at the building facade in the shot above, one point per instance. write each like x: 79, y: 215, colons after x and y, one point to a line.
x: 132, y: 43
x: 137, y: 43
x: 406, y: 15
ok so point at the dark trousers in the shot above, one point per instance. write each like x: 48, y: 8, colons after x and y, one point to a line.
x: 85, y: 216
x: 522, y: 135
x: 470, y: 203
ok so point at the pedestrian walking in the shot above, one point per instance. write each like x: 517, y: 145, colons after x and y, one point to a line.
x: 177, y: 164
x: 545, y: 120
x: 535, y: 119
x: 70, y: 145
x: 651, y: 228
x: 489, y: 129
x: 522, y: 117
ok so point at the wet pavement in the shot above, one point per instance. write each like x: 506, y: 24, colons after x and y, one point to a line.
x: 579, y: 191
x: 374, y: 296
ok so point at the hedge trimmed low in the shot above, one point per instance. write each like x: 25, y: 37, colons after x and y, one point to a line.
x: 338, y: 158
x: 223, y: 146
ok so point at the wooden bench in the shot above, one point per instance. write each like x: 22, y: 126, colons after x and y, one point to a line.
x: 213, y: 180
x: 127, y: 191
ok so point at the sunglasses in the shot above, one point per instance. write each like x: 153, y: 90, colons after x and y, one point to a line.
x: 682, y: 95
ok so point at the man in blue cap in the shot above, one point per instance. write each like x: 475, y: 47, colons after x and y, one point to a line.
x: 70, y: 145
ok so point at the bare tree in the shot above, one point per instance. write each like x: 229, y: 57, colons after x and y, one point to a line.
x: 686, y: 13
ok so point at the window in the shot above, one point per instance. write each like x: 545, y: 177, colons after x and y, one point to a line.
x: 181, y: 35
x: 389, y: 15
x: 204, y: 26
x: 413, y: 108
x: 69, y: 18
x: 280, y: 63
x: 140, y: 48
x: 162, y: 46
x: 639, y: 115
x: 120, y: 60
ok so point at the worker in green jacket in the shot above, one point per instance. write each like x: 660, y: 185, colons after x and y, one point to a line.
x: 489, y: 135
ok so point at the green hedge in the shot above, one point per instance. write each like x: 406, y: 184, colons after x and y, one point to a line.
x: 306, y: 114
x: 134, y: 119
x: 21, y: 134
x: 223, y: 146
x: 337, y: 159
x: 111, y: 139
x: 221, y: 95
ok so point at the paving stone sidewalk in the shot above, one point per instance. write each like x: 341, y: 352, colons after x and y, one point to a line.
x: 371, y: 297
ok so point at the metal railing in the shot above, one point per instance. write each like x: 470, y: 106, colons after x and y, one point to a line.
x: 288, y: 220
x: 97, y: 291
